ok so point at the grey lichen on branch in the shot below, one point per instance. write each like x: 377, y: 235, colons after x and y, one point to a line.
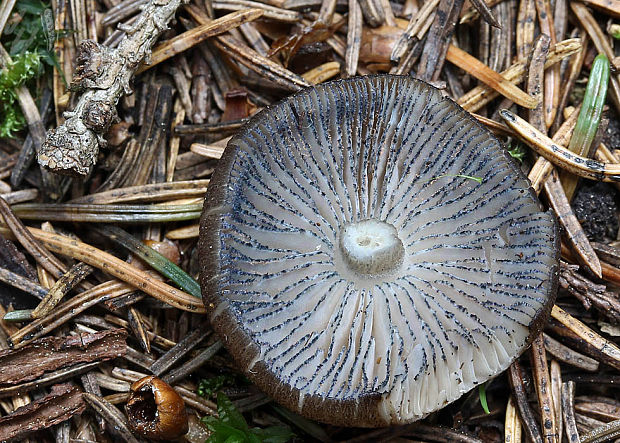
x: 103, y: 74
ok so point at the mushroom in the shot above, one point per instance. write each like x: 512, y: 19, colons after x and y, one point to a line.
x: 369, y: 253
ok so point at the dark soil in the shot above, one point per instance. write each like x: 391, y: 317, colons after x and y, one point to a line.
x: 596, y: 208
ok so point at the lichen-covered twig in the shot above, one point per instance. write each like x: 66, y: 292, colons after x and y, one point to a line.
x: 104, y: 75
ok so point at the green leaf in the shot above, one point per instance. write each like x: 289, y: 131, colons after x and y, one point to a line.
x: 231, y: 427
x: 182, y: 279
x: 483, y: 398
x: 592, y: 107
x: 273, y: 434
x: 221, y: 432
x: 229, y: 415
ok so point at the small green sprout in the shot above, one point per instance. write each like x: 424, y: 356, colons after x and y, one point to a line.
x: 231, y: 427
x: 518, y: 152
x: 469, y: 177
x: 614, y: 31
x: 483, y: 398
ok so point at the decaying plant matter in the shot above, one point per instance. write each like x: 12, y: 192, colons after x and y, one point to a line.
x: 104, y: 74
x: 68, y: 287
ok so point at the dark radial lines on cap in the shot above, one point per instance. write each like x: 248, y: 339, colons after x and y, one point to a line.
x: 315, y: 184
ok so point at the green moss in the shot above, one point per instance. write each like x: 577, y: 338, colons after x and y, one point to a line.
x: 29, y: 38
x: 23, y: 68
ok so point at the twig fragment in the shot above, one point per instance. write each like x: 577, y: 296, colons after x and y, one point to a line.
x: 50, y: 353
x: 76, y: 274
x: 105, y: 75
x: 111, y: 415
x: 516, y: 378
x: 190, y: 38
x: 64, y: 402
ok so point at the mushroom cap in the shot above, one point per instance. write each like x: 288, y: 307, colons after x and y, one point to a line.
x: 369, y: 252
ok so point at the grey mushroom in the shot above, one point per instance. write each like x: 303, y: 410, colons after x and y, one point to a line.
x: 369, y: 253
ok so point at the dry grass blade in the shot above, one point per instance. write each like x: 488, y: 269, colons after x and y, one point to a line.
x: 373, y: 12
x: 559, y: 155
x: 542, y: 169
x: 438, y: 40
x: 534, y: 82
x: 147, y: 193
x: 261, y: 65
x: 555, y: 373
x: 210, y: 151
x: 603, y: 345
x: 194, y: 363
x: 119, y: 269
x: 5, y: 11
x: 574, y: 70
x: 188, y: 39
x: 491, y: 78
x: 48, y: 379
x: 270, y: 12
x: 185, y: 232
x: 138, y: 328
x: 414, y: 27
x: 607, y: 432
x: 69, y: 309
x: 112, y: 416
x: 157, y: 340
x: 543, y: 390
x: 98, y: 213
x: 25, y: 238
x: 552, y: 76
x: 72, y: 277
x: 482, y: 95
x: 19, y: 282
x: 574, y: 232
x: 354, y: 38
x: 189, y: 342
x: 512, y: 423
x: 516, y: 377
x: 568, y: 356
x: 485, y: 12
x: 20, y: 196
x: 609, y: 7
x: 121, y: 11
x: 568, y: 407
x: 322, y: 73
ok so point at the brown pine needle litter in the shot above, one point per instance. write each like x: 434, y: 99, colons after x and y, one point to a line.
x: 99, y: 266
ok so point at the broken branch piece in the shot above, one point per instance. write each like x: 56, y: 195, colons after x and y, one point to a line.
x: 104, y: 75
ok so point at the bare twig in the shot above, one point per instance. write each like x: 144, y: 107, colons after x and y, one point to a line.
x: 105, y: 75
x: 61, y: 404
